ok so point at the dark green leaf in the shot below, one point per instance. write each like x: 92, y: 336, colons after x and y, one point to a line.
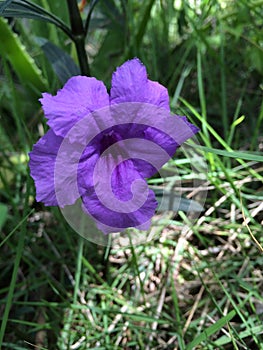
x: 3, y: 214
x: 62, y: 63
x: 99, y: 23
x: 23, y: 9
x: 144, y: 21
x: 26, y: 9
x: 4, y: 5
x: 109, y: 54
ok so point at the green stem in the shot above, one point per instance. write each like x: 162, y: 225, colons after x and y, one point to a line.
x: 78, y: 269
x: 78, y: 36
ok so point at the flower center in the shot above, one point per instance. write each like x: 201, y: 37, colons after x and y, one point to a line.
x: 108, y: 140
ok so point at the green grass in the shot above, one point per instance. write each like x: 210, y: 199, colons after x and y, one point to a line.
x: 195, y: 287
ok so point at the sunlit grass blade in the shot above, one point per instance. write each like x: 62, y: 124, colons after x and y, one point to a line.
x: 211, y: 330
x: 233, y: 154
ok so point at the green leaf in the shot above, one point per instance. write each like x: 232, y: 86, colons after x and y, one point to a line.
x: 4, y: 5
x: 211, y: 330
x: 12, y: 49
x: 110, y: 52
x: 144, y: 22
x: 27, y: 9
x: 62, y: 63
x: 3, y: 214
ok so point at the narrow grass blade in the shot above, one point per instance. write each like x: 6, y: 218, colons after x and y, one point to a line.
x: 233, y: 154
x: 19, y: 253
x: 3, y: 215
x: 144, y: 21
x: 211, y: 330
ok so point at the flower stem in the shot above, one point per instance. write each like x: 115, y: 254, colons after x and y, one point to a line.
x: 78, y: 36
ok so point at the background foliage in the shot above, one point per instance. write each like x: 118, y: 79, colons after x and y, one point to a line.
x: 195, y: 289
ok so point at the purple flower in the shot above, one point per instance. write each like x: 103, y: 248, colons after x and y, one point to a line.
x: 101, y: 147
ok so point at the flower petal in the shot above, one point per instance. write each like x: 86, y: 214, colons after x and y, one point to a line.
x: 162, y: 149
x: 42, y: 164
x: 156, y: 94
x: 55, y: 171
x: 112, y: 215
x: 130, y: 84
x: 79, y: 97
x: 86, y: 166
